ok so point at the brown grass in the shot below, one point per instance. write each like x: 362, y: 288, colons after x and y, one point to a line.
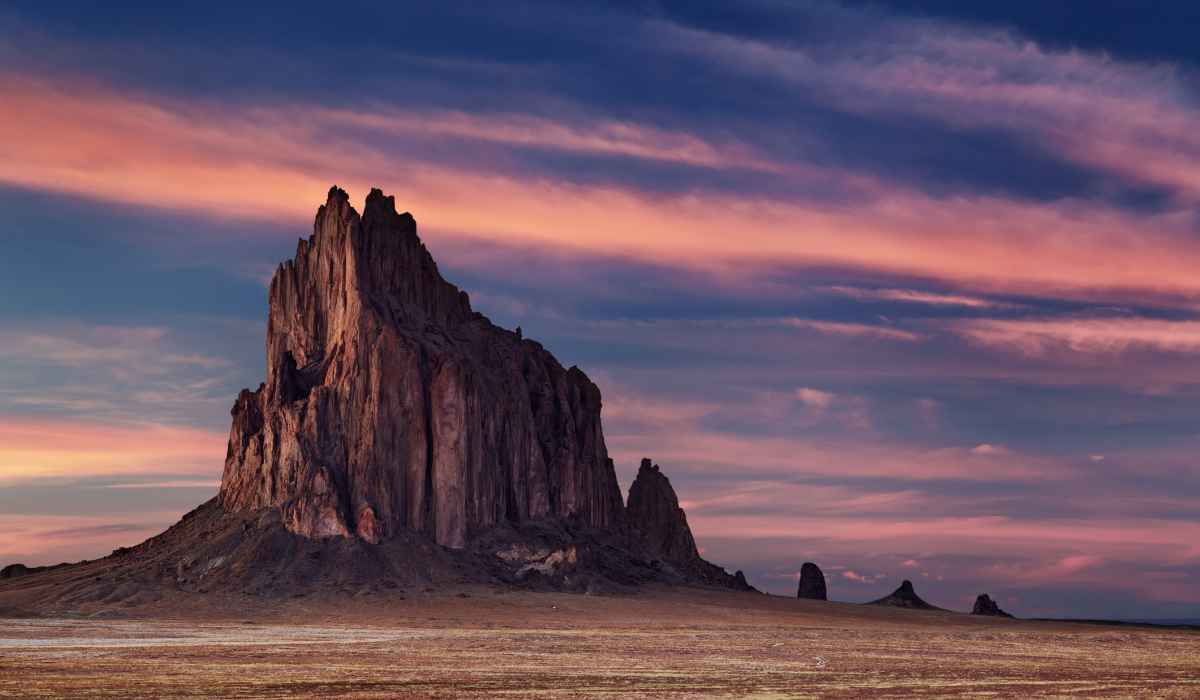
x: 665, y: 643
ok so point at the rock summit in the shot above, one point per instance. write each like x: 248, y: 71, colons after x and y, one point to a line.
x: 904, y: 597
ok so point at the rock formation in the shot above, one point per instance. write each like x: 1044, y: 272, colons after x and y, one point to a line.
x: 390, y: 405
x: 401, y: 442
x: 812, y: 582
x: 984, y: 605
x: 653, y: 513
x: 904, y: 597
x: 659, y: 526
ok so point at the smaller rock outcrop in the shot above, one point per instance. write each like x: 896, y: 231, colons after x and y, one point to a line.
x: 654, y: 514
x: 660, y: 529
x: 904, y: 597
x: 984, y: 605
x: 812, y: 583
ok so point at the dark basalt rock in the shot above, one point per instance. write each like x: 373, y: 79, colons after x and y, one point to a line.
x: 812, y: 583
x: 984, y: 605
x: 904, y: 597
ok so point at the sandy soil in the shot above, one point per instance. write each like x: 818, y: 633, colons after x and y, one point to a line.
x: 664, y: 643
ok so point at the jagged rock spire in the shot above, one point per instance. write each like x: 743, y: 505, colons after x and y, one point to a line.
x: 390, y: 404
x: 654, y: 514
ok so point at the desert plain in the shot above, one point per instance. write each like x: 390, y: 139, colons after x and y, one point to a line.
x: 495, y: 642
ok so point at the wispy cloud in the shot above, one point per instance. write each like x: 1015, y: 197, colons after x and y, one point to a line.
x: 916, y: 296
x: 34, y: 448
x: 231, y: 162
x: 1042, y: 336
x: 179, y: 484
x: 102, y: 345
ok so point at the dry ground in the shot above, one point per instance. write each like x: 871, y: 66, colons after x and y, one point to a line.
x: 664, y: 643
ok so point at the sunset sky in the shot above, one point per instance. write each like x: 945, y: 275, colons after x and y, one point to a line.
x: 903, y: 288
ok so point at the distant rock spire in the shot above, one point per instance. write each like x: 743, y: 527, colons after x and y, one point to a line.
x: 812, y: 583
x: 984, y: 605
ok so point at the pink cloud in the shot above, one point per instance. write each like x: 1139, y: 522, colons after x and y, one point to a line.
x: 93, y: 141
x: 815, y: 398
x: 918, y: 297
x: 852, y: 575
x: 1039, y: 337
x: 856, y: 330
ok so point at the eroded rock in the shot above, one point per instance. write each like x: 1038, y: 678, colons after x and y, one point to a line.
x: 653, y: 513
x: 390, y: 405
x: 660, y: 529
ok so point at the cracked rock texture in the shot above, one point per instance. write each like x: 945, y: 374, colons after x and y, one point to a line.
x: 391, y: 406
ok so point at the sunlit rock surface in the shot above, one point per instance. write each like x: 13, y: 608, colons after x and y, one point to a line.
x: 390, y: 405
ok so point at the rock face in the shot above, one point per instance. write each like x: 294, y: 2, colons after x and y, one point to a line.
x: 391, y: 406
x: 401, y: 443
x: 984, y: 605
x: 654, y: 515
x: 658, y: 528
x: 812, y: 582
x: 904, y: 597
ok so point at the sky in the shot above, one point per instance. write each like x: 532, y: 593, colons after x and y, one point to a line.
x: 908, y: 289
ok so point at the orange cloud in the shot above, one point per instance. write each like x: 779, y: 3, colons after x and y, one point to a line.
x: 31, y: 448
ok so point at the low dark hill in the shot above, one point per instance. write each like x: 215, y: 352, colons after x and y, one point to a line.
x: 904, y: 597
